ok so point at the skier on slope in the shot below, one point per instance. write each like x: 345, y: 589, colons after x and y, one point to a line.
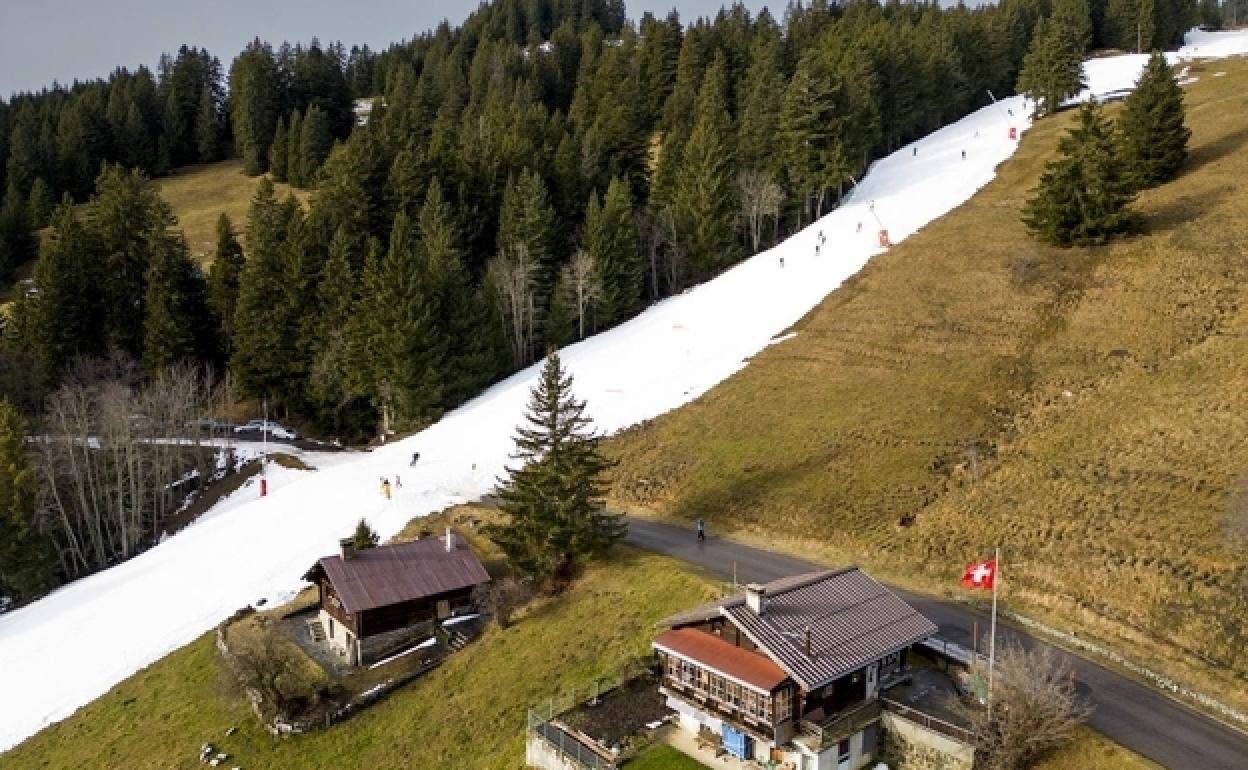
x: 385, y: 487
x: 415, y: 458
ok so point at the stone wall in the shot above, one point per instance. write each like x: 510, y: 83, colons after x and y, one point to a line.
x: 905, y: 745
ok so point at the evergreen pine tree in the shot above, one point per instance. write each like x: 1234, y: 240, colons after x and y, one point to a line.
x: 280, y: 152
x: 177, y: 326
x: 1074, y: 18
x: 365, y: 537
x: 69, y: 309
x: 315, y: 141
x: 527, y: 223
x: 294, y: 151
x: 463, y: 320
x: 611, y: 241
x: 554, y: 499
x: 411, y: 354
x: 1084, y: 195
x: 40, y: 204
x: 17, y: 241
x: 262, y: 344
x: 1151, y: 126
x: 704, y: 201
x: 27, y: 556
x: 209, y: 133
x: 1052, y: 69
x: 254, y: 105
x: 224, y: 276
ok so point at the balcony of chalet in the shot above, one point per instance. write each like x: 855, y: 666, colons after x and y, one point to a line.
x: 747, y: 690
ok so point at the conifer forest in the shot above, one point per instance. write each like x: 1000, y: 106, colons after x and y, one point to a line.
x: 540, y: 173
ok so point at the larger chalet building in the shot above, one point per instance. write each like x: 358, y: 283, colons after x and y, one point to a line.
x: 791, y: 671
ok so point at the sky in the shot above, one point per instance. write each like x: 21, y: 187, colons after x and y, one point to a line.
x: 46, y: 40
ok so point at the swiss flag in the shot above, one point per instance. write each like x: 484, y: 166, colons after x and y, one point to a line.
x: 980, y: 575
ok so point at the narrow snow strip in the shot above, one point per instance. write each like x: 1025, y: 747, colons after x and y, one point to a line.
x: 71, y: 647
x: 422, y: 646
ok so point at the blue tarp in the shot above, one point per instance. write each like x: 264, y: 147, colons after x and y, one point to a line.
x: 736, y: 743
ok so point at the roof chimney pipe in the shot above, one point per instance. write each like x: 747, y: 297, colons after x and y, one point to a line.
x: 807, y: 639
x: 756, y: 598
x: 450, y: 540
x: 347, y: 544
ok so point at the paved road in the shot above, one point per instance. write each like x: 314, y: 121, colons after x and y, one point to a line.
x: 1127, y: 711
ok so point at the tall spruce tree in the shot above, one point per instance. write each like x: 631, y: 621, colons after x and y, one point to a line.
x: 315, y: 140
x: 224, y: 277
x: 177, y: 326
x: 410, y: 352
x: 1074, y: 18
x: 294, y: 150
x: 704, y: 203
x: 254, y: 104
x: 279, y: 152
x: 263, y: 341
x: 1153, y: 134
x: 553, y: 499
x: 68, y: 318
x: 1084, y: 195
x: 40, y: 204
x: 27, y: 556
x: 1052, y: 69
x: 611, y: 241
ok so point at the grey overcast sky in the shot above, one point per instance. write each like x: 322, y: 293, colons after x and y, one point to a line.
x: 46, y: 40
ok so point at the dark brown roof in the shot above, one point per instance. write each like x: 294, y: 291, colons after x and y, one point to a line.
x: 390, y: 574
x: 711, y: 652
x: 853, y: 621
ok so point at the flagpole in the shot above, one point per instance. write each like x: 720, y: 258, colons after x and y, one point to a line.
x: 992, y: 635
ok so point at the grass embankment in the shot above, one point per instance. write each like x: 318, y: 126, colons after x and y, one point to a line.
x: 1084, y: 409
x: 470, y: 712
x: 200, y: 194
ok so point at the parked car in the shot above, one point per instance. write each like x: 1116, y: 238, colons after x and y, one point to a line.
x: 274, y: 429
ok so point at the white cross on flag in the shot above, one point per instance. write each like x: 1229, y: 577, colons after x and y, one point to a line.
x: 980, y: 575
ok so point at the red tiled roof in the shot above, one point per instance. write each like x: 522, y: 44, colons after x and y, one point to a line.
x: 390, y: 574
x: 714, y: 653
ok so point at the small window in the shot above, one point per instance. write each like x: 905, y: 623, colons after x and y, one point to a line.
x: 842, y: 751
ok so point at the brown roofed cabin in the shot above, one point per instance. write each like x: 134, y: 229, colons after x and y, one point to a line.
x: 368, y: 597
x: 790, y: 671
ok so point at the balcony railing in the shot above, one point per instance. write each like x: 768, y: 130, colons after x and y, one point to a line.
x: 947, y: 729
x: 840, y: 725
x: 739, y: 716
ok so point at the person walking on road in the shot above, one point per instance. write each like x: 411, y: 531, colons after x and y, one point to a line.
x: 701, y: 530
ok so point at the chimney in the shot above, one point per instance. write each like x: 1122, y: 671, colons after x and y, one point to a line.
x: 347, y: 544
x: 450, y: 540
x: 807, y: 640
x: 755, y: 594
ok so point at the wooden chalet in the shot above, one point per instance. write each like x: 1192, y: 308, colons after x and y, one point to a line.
x: 369, y: 596
x: 791, y: 671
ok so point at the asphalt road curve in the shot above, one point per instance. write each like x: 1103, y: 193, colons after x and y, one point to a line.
x: 1127, y: 711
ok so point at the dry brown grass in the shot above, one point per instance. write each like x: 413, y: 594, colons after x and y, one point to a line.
x: 1085, y: 410
x: 200, y: 194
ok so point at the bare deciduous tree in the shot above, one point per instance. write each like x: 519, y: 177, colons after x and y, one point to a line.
x: 760, y: 198
x: 116, y: 456
x: 1034, y: 709
x: 584, y: 286
x: 270, y: 666
x: 511, y: 275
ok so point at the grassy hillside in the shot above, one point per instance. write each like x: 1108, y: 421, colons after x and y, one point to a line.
x: 475, y: 703
x: 199, y: 195
x: 1085, y: 410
